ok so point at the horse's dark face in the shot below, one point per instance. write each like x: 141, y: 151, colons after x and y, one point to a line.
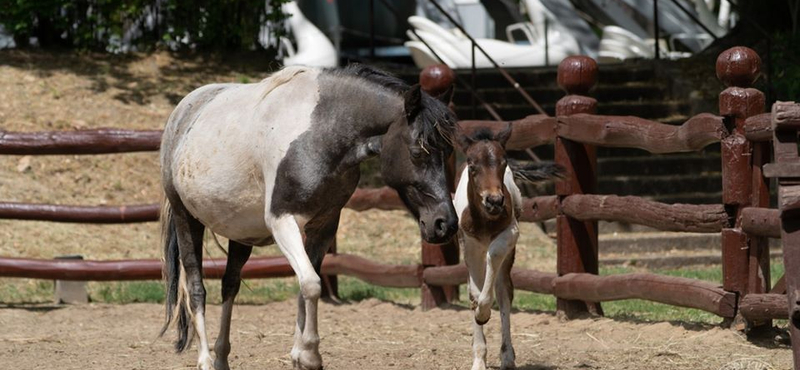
x: 413, y: 156
x: 486, y: 159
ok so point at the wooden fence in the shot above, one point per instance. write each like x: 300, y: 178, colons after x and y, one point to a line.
x: 745, y: 296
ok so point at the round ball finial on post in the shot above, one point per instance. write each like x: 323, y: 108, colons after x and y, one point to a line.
x: 577, y: 74
x: 738, y: 66
x: 436, y: 79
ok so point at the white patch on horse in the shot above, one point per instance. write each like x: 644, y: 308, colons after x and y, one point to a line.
x: 220, y: 160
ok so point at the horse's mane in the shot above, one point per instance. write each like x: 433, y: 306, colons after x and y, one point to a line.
x: 279, y: 78
x: 439, y: 134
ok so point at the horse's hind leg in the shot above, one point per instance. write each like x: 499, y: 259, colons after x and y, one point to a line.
x: 237, y: 256
x: 504, y: 288
x: 190, y: 242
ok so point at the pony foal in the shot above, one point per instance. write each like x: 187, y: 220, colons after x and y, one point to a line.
x: 489, y: 203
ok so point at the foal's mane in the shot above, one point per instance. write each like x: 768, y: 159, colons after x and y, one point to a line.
x: 436, y: 121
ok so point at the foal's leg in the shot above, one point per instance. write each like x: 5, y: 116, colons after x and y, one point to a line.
x: 237, y: 256
x: 190, y: 242
x: 505, y: 295
x: 474, y: 253
x: 287, y: 235
x: 500, y: 247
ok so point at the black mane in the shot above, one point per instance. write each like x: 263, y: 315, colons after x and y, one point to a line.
x: 437, y: 122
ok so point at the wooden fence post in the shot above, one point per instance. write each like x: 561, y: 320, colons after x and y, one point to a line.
x: 785, y: 124
x: 577, y: 240
x: 436, y: 80
x: 745, y: 258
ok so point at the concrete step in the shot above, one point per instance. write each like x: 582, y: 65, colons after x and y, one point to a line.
x: 636, y: 91
x: 658, y: 185
x: 658, y: 165
x: 645, y: 109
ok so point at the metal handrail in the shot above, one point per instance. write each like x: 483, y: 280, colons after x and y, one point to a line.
x: 502, y: 71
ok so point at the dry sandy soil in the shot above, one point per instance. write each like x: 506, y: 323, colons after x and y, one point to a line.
x: 368, y: 335
x: 43, y: 91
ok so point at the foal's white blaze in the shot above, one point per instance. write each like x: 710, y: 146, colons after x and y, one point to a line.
x: 485, y: 258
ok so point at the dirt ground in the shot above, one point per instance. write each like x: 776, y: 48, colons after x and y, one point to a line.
x: 368, y: 335
x: 65, y: 91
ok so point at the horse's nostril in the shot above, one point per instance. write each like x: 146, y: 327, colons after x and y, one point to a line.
x: 440, y: 227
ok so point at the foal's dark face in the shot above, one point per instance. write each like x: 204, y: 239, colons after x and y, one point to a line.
x: 486, y: 159
x: 415, y: 167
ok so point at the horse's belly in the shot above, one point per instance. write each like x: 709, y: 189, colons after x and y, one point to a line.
x: 229, y: 203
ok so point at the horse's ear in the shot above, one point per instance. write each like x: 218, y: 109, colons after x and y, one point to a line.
x: 413, y: 101
x: 447, y: 96
x: 503, y: 136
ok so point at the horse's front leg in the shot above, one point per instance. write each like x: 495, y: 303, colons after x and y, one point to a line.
x: 505, y: 295
x: 287, y: 235
x: 499, y: 249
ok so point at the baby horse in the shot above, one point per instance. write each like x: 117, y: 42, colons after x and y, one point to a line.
x: 489, y: 203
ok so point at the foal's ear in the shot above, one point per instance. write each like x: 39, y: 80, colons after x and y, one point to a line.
x: 463, y: 140
x: 503, y: 136
x: 447, y: 96
x: 413, y: 101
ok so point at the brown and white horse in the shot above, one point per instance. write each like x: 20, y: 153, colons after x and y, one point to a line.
x: 488, y: 203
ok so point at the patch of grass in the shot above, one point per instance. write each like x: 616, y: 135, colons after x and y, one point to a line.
x: 352, y: 289
x: 13, y: 291
x: 126, y: 292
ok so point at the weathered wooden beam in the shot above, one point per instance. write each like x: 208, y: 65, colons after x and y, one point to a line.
x: 768, y: 306
x: 99, y: 141
x: 745, y: 258
x: 80, y: 214
x: 676, y: 291
x: 762, y: 222
x: 759, y: 127
x: 528, y: 280
x: 539, y: 209
x: 398, y: 276
x: 383, y: 198
x: 636, y: 210
x: 634, y: 132
x: 576, y: 240
x: 529, y: 132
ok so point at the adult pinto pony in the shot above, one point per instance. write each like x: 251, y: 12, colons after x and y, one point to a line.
x: 275, y: 161
x: 489, y: 204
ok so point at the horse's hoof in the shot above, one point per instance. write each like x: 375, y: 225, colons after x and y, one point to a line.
x: 204, y: 363
x: 221, y: 364
x: 308, y: 360
x: 478, y: 365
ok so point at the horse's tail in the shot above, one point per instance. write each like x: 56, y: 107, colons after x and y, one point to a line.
x: 533, y: 172
x: 174, y: 280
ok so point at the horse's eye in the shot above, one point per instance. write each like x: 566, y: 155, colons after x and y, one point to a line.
x: 472, y: 168
x: 417, y: 153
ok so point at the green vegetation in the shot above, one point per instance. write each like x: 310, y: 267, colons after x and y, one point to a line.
x: 352, y: 290
x: 102, y: 24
